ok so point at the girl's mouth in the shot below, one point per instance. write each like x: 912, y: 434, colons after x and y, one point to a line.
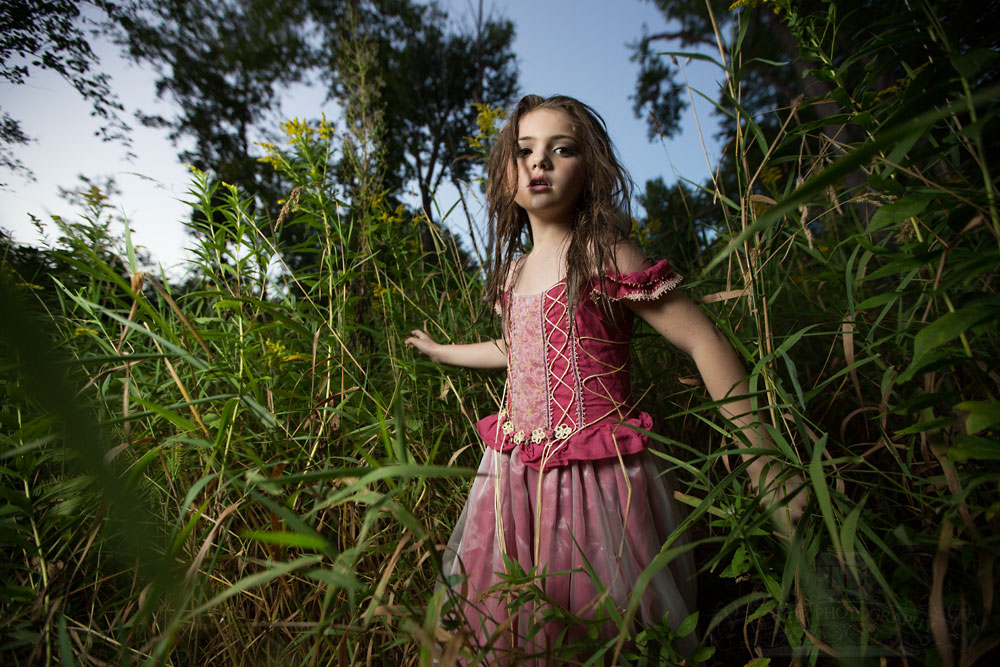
x: 538, y: 184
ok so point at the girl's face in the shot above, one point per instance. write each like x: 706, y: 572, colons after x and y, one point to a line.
x: 550, y: 171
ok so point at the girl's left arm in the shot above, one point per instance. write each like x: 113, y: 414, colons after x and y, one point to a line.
x: 683, y: 324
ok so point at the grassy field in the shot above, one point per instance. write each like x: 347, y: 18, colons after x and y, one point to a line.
x: 250, y: 468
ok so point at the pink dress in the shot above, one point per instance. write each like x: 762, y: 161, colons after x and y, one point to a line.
x: 566, y: 484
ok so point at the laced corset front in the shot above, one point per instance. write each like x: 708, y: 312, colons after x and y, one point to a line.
x: 569, y: 388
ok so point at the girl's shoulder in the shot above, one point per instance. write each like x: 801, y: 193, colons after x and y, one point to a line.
x: 628, y: 258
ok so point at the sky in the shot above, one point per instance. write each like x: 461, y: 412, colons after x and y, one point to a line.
x: 573, y: 47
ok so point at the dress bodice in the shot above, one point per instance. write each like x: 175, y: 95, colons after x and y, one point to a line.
x: 569, y: 388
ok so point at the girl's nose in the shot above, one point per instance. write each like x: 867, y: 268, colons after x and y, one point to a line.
x: 541, y: 160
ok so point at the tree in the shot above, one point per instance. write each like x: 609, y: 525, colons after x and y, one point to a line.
x: 766, y: 41
x: 678, y: 224
x: 433, y: 77
x: 52, y: 35
x: 225, y: 64
x: 660, y: 92
x: 785, y: 71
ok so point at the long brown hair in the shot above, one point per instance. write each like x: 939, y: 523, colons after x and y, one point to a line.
x: 603, y: 216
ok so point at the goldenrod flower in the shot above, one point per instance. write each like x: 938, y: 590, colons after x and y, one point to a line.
x: 770, y: 175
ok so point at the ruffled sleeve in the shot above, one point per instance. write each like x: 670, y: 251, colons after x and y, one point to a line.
x: 644, y: 285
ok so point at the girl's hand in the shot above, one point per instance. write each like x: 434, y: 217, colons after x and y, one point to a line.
x: 491, y: 354
x: 787, y: 509
x: 423, y: 343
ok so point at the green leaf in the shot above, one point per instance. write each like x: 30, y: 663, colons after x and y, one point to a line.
x: 65, y: 647
x: 848, y: 533
x: 968, y: 65
x: 919, y: 363
x: 287, y: 539
x: 822, y: 493
x: 926, y: 425
x: 133, y: 264
x: 905, y: 143
x: 180, y: 422
x: 842, y: 97
x: 263, y: 414
x: 974, y: 447
x: 739, y: 565
x: 687, y: 626
x: 703, y: 654
x: 899, y: 210
x: 982, y: 415
x: 760, y: 611
x: 340, y: 576
x: 877, y: 300
x: 732, y: 607
x: 793, y: 630
x: 898, y: 266
x: 949, y: 327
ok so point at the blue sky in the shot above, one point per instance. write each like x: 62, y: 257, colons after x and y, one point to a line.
x: 572, y: 47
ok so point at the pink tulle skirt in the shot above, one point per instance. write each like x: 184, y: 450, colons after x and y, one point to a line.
x: 585, y: 531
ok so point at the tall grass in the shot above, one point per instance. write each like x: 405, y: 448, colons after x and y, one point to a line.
x: 245, y: 470
x: 855, y: 268
x: 249, y: 468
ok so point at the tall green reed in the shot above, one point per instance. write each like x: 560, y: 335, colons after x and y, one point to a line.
x: 297, y: 473
x: 857, y: 277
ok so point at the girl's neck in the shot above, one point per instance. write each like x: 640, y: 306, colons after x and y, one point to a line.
x: 549, y: 237
x: 545, y: 265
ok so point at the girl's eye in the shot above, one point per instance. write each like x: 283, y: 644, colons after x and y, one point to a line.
x: 565, y: 151
x: 523, y: 152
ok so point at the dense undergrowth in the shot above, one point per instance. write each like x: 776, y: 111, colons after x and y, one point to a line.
x: 249, y: 468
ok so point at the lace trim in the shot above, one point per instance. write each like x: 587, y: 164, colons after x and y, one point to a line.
x: 539, y: 436
x: 661, y: 289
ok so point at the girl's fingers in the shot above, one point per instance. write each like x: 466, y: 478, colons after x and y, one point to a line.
x: 418, y: 338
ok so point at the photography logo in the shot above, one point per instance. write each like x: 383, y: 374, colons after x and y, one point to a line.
x: 850, y: 611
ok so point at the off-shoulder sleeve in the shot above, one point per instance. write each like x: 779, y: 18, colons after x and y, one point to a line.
x: 644, y: 285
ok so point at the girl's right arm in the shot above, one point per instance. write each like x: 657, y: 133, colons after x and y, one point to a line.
x: 491, y: 354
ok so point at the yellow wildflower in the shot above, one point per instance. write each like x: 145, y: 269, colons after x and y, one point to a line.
x: 296, y: 130
x: 275, y: 348
x: 891, y: 90
x: 488, y: 119
x: 273, y: 160
x: 776, y: 4
x: 770, y: 175
x: 325, y: 128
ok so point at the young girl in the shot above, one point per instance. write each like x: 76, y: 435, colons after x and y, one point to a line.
x: 566, y: 488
